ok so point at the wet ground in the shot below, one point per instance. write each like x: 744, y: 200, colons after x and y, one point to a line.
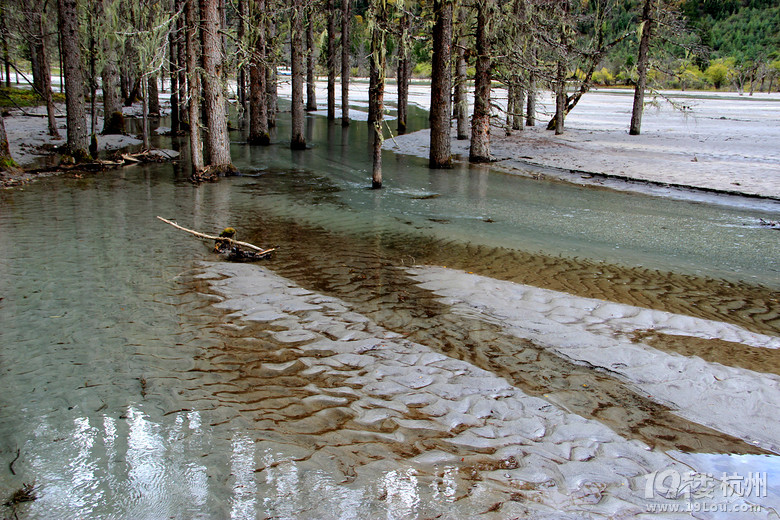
x: 566, y: 355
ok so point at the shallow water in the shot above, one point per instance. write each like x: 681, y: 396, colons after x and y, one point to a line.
x: 128, y: 394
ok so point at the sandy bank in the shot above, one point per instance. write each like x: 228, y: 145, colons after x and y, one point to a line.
x: 29, y: 140
x: 398, y: 391
x: 724, y: 145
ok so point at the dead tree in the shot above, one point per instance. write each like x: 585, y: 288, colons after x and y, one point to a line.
x: 311, y: 87
x: 479, y: 150
x: 297, y: 138
x: 441, y: 85
x: 331, y: 64
x: 346, y: 20
x: 641, y: 67
x: 193, y: 85
x: 77, y: 142
x: 217, y: 139
x: 258, y: 107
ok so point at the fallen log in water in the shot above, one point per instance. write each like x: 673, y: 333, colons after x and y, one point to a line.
x: 235, y: 253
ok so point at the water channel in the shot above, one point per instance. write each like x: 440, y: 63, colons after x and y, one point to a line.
x: 127, y: 393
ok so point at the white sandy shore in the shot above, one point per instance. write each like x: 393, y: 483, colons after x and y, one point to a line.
x: 573, y: 467
x: 28, y: 137
x: 736, y: 401
x: 723, y: 142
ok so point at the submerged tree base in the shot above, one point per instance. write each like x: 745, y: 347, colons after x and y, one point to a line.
x: 212, y: 173
x: 262, y: 140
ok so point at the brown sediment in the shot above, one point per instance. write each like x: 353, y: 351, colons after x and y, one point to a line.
x: 714, y: 350
x: 364, y: 274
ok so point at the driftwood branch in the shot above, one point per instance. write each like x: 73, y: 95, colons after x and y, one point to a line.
x: 260, y: 250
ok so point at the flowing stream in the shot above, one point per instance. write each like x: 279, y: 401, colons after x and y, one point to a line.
x: 127, y: 393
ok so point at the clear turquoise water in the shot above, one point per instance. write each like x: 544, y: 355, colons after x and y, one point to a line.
x: 105, y: 340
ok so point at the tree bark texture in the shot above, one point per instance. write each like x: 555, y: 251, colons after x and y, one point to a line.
x: 6, y: 54
x: 517, y: 115
x: 153, y: 91
x: 241, y: 74
x: 331, y: 60
x: 461, y: 72
x: 441, y: 86
x: 270, y: 71
x: 311, y: 96
x: 346, y: 20
x: 181, y: 50
x: 530, y: 107
x: 217, y: 139
x: 77, y: 142
x: 377, y: 90
x: 174, y: 76
x: 641, y: 67
x: 38, y: 48
x: 479, y: 150
x: 145, y: 110
x: 6, y: 161
x: 372, y: 79
x: 297, y: 138
x: 404, y: 73
x: 258, y: 108
x: 193, y: 81
x: 560, y: 97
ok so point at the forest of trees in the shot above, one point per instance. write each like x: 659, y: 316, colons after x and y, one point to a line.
x: 213, y: 53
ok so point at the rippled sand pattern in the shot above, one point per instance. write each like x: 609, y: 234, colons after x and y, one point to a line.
x: 337, y: 389
x: 359, y: 401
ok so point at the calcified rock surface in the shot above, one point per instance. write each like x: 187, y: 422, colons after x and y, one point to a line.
x: 369, y: 423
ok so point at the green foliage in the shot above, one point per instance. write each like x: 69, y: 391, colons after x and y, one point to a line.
x: 13, y: 97
x: 744, y: 29
x: 603, y: 77
x: 720, y: 72
x: 422, y: 70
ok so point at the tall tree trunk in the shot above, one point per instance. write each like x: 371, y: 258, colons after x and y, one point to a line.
x: 517, y: 116
x: 145, y: 110
x: 241, y: 75
x: 153, y: 91
x: 297, y: 139
x: 6, y: 161
x: 530, y: 107
x: 461, y: 72
x: 36, y: 69
x: 193, y: 80
x: 373, y: 78
x: 331, y: 60
x: 270, y: 71
x: 258, y: 108
x: 404, y: 71
x: 441, y: 86
x: 641, y: 68
x: 62, y: 64
x: 181, y: 57
x: 39, y: 50
x: 77, y: 142
x: 560, y: 75
x: 510, y: 107
x: 6, y: 55
x: 311, y: 96
x: 480, y: 121
x: 377, y: 89
x: 346, y: 20
x: 174, y: 75
x: 113, y: 120
x: 217, y: 139
x: 560, y: 97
